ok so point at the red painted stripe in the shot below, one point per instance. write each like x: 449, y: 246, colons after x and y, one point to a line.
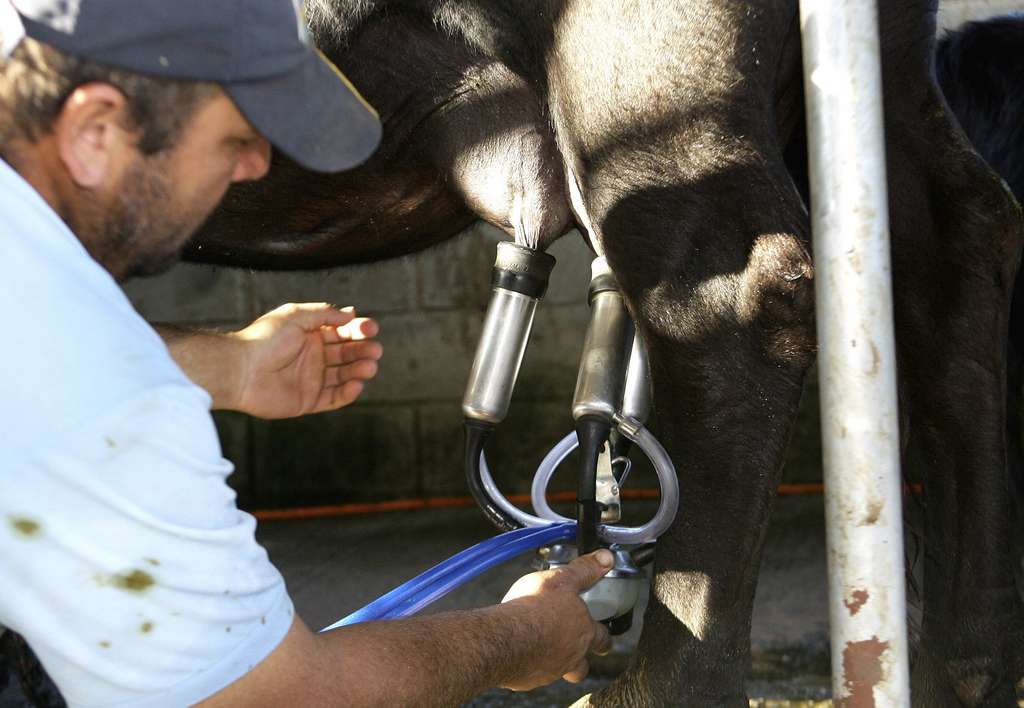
x: 319, y: 512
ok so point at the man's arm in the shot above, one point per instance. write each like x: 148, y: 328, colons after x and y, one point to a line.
x: 206, y: 357
x: 295, y: 360
x: 540, y: 632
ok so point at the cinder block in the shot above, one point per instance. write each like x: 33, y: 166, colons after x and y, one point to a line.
x: 513, y: 452
x: 553, y: 354
x: 427, y: 355
x: 378, y: 287
x: 440, y: 441
x: 571, y: 276
x: 457, y: 273
x: 193, y: 294
x: 359, y: 453
x: 953, y: 13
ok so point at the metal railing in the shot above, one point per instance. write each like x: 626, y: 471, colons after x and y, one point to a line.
x: 857, y: 356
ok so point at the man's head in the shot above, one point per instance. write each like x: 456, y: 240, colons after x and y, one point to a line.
x: 133, y: 135
x: 115, y: 152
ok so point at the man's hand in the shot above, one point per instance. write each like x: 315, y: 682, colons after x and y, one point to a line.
x: 567, y: 633
x: 295, y: 360
x: 305, y: 358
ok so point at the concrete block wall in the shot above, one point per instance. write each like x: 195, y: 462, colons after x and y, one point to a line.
x: 955, y: 12
x: 404, y: 437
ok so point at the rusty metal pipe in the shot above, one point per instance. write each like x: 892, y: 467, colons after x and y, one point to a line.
x: 857, y: 356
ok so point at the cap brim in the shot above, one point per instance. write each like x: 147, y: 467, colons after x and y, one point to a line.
x: 312, y: 114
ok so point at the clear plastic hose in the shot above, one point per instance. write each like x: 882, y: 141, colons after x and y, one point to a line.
x: 548, y: 527
x: 663, y: 466
x: 538, y: 492
x: 610, y: 534
x: 508, y: 507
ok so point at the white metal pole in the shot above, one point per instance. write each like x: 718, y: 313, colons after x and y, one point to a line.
x: 857, y: 358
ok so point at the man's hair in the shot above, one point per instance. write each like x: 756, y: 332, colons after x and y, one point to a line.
x: 37, y: 79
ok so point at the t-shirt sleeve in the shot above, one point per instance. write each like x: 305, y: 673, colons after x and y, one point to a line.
x: 126, y: 563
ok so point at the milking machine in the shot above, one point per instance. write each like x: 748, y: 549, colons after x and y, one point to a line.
x: 610, y: 405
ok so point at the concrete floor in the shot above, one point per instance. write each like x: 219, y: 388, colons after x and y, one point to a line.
x: 335, y: 566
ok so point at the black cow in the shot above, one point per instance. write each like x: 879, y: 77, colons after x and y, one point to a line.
x: 670, y: 118
x: 980, y: 69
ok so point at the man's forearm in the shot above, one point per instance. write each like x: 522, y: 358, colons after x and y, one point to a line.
x: 440, y: 660
x: 210, y: 359
x: 541, y: 631
x: 436, y: 660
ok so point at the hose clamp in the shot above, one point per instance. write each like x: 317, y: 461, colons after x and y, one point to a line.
x: 629, y: 426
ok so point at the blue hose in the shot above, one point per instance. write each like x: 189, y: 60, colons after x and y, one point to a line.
x: 465, y: 572
x: 425, y: 588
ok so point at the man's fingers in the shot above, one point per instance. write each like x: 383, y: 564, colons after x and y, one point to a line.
x: 587, y: 570
x: 349, y: 352
x: 578, y: 672
x: 332, y: 377
x: 360, y: 328
x: 339, y: 324
x: 348, y: 392
x: 361, y: 370
x: 356, y: 329
x: 601, y: 644
x: 367, y: 349
x: 313, y: 315
x: 337, y: 396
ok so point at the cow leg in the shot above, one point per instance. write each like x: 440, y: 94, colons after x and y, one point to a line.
x: 672, y: 140
x: 953, y: 278
x: 956, y: 240
x: 727, y: 315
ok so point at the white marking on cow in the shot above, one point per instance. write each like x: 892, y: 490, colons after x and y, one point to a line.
x: 690, y: 593
x: 580, y: 210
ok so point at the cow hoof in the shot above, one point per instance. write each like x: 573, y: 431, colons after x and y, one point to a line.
x: 934, y: 688
x: 974, y: 690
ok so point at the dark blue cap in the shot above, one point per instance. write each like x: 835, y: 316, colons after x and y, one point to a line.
x: 258, y: 50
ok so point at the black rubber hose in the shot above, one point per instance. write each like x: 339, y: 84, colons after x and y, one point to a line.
x: 642, y: 555
x: 476, y: 435
x: 592, y: 433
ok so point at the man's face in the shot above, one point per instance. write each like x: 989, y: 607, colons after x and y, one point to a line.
x: 144, y: 221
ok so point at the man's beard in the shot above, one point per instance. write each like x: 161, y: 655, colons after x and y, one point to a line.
x: 143, y: 229
x: 146, y: 224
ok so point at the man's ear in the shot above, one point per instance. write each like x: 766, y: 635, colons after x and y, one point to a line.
x: 90, y: 134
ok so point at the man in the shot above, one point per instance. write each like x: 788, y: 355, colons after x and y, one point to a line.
x: 123, y: 558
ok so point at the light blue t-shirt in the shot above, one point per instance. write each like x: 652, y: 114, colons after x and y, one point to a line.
x: 124, y: 560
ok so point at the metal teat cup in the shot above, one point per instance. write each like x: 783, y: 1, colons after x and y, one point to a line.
x: 600, y: 383
x: 519, y: 280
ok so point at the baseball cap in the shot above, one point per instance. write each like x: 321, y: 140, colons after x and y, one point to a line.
x: 259, y: 51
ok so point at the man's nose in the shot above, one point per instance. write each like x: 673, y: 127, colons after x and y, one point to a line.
x: 253, y: 161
